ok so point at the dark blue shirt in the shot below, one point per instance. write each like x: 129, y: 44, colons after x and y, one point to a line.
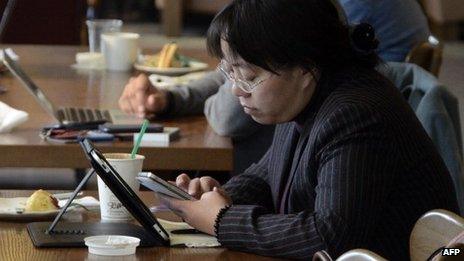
x: 399, y: 24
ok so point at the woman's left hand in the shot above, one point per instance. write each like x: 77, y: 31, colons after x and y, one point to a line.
x: 200, y: 214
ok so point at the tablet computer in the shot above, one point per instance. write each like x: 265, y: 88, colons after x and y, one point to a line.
x: 124, y: 193
x: 159, y: 185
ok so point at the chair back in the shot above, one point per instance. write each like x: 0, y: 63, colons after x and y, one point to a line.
x: 427, y: 55
x: 456, y: 243
x: 435, y: 229
x: 322, y: 255
x: 352, y: 255
x: 198, y: 6
x: 44, y: 22
x: 360, y: 255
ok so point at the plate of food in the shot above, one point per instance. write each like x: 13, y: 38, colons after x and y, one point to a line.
x: 41, y: 205
x: 169, y: 62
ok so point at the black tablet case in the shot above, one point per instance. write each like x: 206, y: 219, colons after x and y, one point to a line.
x: 73, y: 234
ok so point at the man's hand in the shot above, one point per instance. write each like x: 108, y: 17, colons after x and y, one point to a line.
x: 141, y: 98
x: 200, y: 214
x: 197, y: 186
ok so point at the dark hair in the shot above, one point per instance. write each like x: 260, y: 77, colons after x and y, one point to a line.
x: 278, y: 34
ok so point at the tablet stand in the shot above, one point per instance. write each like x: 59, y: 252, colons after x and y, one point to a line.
x: 73, y: 196
x: 66, y: 234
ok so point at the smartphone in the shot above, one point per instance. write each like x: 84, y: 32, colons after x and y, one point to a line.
x: 129, y: 128
x: 159, y: 185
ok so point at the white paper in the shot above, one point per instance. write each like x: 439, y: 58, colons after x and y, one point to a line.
x: 10, y: 118
x: 88, y: 202
x: 11, y: 53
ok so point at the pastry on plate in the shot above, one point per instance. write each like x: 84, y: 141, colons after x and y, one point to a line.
x: 41, y: 200
x: 168, y: 57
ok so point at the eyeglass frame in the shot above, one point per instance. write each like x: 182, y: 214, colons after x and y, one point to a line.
x: 244, y: 85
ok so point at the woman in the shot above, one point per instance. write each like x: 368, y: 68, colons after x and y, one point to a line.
x: 350, y: 165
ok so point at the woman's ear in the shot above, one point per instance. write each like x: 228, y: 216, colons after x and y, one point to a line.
x: 309, y: 76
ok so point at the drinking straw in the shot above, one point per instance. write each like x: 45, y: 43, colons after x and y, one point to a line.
x: 139, y: 138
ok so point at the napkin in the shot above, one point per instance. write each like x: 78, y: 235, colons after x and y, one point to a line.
x: 11, y: 53
x: 89, y: 61
x: 13, y: 56
x: 88, y: 202
x: 10, y: 118
x: 167, y: 82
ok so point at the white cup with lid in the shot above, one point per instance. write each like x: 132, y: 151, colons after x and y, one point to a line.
x: 112, y: 245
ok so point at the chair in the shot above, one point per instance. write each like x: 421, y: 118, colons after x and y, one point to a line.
x: 352, y: 255
x: 427, y: 55
x: 44, y: 22
x: 172, y: 12
x: 457, y: 242
x: 435, y: 229
x: 444, y: 17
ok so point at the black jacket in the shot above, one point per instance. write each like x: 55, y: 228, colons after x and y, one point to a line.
x: 362, y: 172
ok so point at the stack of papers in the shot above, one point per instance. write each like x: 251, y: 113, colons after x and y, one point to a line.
x: 189, y: 240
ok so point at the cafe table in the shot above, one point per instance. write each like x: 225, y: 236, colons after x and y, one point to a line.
x: 198, y: 147
x: 16, y: 245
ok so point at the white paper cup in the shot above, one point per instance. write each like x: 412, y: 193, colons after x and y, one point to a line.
x: 120, y: 50
x: 111, y: 209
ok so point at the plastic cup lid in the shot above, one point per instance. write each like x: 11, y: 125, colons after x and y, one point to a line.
x: 112, y: 245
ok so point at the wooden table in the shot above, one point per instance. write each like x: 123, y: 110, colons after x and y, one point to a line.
x: 199, y: 148
x: 16, y: 245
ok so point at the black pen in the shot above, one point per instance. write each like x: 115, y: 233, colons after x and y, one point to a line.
x: 186, y: 231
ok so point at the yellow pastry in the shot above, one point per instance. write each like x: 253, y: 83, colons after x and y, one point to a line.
x: 41, y: 200
x: 162, y: 55
x: 170, y: 55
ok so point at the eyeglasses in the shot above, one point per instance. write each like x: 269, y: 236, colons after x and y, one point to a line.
x: 226, y: 69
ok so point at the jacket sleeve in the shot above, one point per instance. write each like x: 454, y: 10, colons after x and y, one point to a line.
x: 226, y: 116
x: 251, y: 187
x: 189, y: 99
x: 353, y: 165
x: 212, y: 95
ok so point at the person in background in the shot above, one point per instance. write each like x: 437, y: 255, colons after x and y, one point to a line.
x: 210, y: 95
x: 400, y: 24
x: 350, y: 165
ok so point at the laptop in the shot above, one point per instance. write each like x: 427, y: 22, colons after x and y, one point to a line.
x: 67, y: 116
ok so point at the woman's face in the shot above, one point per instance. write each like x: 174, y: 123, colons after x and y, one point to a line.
x: 278, y: 98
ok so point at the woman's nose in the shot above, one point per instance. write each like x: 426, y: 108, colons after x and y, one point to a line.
x: 237, y: 91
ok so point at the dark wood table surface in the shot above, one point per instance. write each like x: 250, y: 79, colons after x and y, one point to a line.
x: 16, y: 245
x: 198, y: 148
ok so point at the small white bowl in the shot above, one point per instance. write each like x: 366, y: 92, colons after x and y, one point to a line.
x: 112, y: 245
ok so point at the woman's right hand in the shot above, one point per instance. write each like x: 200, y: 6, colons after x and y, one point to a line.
x: 197, y: 186
x: 141, y: 98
